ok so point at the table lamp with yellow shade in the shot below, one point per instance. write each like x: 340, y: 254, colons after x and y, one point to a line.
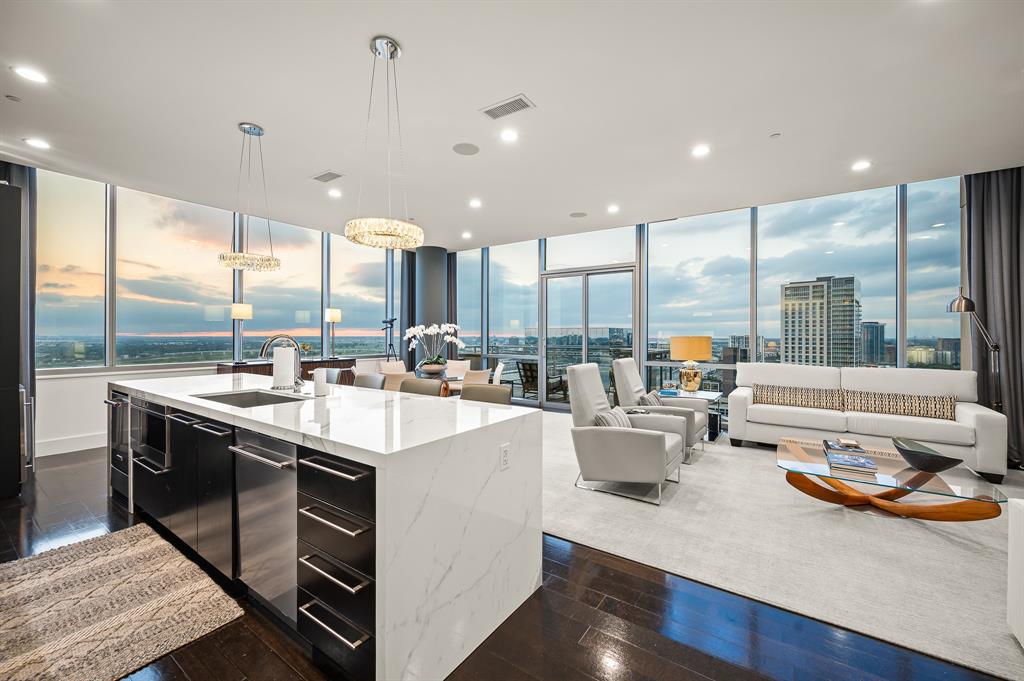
x: 690, y: 350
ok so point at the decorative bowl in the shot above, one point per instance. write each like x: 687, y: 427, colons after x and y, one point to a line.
x: 428, y: 369
x: 923, y: 458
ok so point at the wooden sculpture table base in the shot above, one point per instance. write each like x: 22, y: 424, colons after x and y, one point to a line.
x: 837, y: 492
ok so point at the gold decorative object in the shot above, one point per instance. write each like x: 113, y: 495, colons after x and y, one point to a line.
x: 690, y: 350
x: 251, y: 262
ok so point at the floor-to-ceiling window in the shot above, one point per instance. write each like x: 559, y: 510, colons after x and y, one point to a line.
x: 173, y: 296
x: 826, y: 289
x: 698, y: 284
x: 603, y: 247
x: 467, y: 299
x: 933, y: 273
x: 512, y: 308
x: 70, y: 271
x: 359, y: 290
x: 286, y: 300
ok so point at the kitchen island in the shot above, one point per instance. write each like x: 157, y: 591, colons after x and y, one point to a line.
x: 395, y: 532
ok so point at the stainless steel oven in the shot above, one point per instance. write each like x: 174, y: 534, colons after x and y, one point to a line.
x: 150, y: 432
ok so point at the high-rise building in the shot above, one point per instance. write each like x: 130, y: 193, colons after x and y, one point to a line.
x: 743, y: 343
x: 821, y: 322
x: 872, y: 336
x: 952, y: 346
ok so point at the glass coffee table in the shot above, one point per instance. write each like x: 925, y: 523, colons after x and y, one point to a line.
x: 957, y: 494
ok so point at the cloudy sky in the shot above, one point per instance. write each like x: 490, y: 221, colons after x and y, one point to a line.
x: 169, y: 281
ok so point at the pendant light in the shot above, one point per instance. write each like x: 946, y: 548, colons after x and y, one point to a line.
x: 252, y: 262
x: 384, y: 232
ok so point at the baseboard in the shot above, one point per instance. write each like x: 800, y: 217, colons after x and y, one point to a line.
x: 72, y: 443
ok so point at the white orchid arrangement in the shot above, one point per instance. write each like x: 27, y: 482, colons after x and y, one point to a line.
x: 433, y: 338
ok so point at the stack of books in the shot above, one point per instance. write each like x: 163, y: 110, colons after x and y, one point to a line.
x: 846, y: 456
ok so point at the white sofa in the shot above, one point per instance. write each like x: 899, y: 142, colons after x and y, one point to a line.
x: 977, y: 436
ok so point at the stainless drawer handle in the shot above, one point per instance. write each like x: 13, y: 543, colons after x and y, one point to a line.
x: 152, y: 470
x: 351, y: 589
x: 351, y: 644
x: 212, y: 430
x: 256, y: 457
x: 113, y: 403
x: 306, y: 512
x: 187, y: 420
x: 326, y: 469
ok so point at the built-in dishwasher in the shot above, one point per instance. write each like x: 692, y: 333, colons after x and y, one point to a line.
x: 266, y: 482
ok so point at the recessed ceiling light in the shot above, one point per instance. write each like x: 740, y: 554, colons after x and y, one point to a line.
x: 858, y: 166
x: 509, y: 135
x: 475, y: 203
x: 829, y: 252
x: 578, y: 214
x: 466, y: 235
x: 938, y: 224
x: 13, y: 98
x: 466, y: 149
x: 775, y: 135
x: 334, y: 193
x: 29, y: 73
x: 838, y: 224
x: 700, y: 151
x: 613, y: 208
x: 37, y: 143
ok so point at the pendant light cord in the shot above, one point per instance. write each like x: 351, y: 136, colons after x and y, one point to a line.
x: 387, y: 89
x: 266, y: 199
x: 401, y: 145
x: 366, y: 137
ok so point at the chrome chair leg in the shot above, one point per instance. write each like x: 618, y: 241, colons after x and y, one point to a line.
x: 619, y: 494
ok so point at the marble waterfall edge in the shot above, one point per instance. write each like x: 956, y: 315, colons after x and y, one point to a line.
x: 459, y: 545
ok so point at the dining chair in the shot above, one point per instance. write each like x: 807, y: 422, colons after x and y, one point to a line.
x: 496, y: 378
x: 486, y: 392
x: 474, y: 377
x: 421, y: 386
x: 456, y: 368
x: 394, y: 381
x: 393, y: 366
x: 375, y: 381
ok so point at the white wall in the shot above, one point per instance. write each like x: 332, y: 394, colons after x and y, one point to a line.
x: 70, y: 414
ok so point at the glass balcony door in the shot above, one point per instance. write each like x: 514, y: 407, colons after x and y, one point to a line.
x: 588, y: 317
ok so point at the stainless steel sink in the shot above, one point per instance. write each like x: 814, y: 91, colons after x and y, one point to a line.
x: 245, y: 399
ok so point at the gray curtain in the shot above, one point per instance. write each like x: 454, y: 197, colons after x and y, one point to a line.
x: 995, y: 243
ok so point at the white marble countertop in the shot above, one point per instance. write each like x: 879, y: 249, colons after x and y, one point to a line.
x: 347, y: 421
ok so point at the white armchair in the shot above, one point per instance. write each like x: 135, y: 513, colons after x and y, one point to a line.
x: 629, y: 388
x: 646, y: 452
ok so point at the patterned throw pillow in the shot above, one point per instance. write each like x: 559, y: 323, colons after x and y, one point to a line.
x: 927, y: 406
x: 616, y: 418
x: 814, y: 398
x: 651, y: 399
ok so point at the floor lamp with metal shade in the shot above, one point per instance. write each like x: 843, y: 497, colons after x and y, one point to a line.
x: 239, y: 313
x: 965, y: 305
x: 333, y: 316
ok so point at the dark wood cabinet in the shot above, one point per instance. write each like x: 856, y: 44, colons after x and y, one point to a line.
x: 266, y: 368
x: 182, y: 517
x: 215, y: 518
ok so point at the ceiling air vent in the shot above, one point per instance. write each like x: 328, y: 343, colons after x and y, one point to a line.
x: 509, y: 107
x: 327, y: 176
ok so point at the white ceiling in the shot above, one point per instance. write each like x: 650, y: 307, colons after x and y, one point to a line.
x: 147, y: 95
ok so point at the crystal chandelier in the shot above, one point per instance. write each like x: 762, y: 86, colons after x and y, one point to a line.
x: 385, y: 232
x: 252, y: 262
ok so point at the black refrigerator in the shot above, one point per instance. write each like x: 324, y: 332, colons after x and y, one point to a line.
x: 16, y: 412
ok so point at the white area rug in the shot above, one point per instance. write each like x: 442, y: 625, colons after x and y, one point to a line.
x: 735, y: 523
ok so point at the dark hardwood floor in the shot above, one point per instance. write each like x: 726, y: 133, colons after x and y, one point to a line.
x: 597, y: 616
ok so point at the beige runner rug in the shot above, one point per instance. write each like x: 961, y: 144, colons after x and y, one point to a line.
x: 103, y: 607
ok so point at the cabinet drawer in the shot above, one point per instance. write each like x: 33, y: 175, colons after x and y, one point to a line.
x: 340, y: 534
x: 346, y: 591
x: 119, y: 459
x: 152, y: 490
x: 346, y: 644
x: 119, y: 481
x: 344, y: 484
